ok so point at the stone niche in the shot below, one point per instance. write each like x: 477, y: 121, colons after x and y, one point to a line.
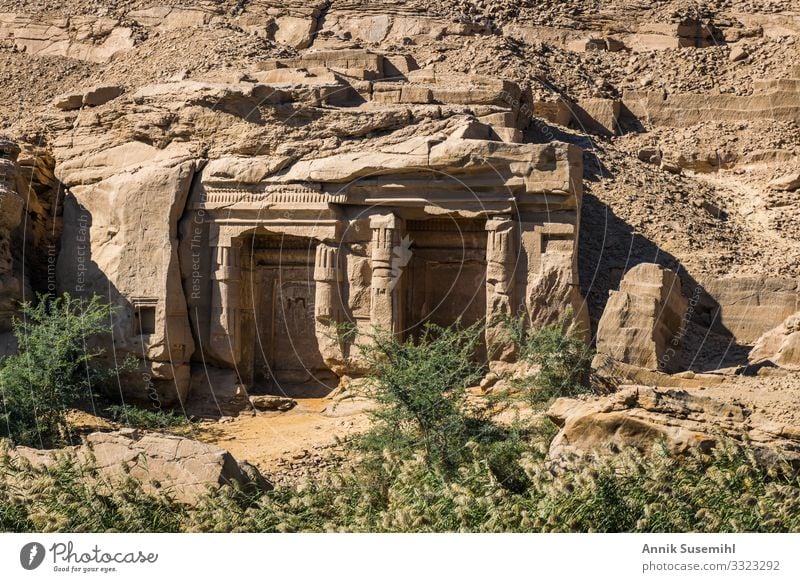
x: 435, y: 229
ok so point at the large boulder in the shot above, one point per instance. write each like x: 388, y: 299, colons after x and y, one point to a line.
x: 780, y: 345
x: 642, y: 323
x: 642, y: 416
x: 183, y: 468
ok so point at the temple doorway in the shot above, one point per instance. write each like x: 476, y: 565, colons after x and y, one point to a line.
x: 285, y: 357
x: 446, y: 274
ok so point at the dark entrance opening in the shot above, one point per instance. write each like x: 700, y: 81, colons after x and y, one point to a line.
x: 446, y: 274
x: 280, y: 340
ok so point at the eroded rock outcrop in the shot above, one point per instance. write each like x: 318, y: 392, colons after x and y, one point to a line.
x: 182, y: 468
x: 775, y: 99
x: 780, y: 345
x: 642, y: 322
x: 641, y: 417
x: 95, y: 39
x: 120, y: 241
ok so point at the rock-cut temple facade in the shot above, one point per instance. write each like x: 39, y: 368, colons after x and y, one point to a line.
x: 440, y: 229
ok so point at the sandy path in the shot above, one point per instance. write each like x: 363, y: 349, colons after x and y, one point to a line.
x: 269, y: 440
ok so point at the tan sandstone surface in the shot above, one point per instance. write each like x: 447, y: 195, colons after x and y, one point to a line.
x: 245, y: 181
x: 281, y: 444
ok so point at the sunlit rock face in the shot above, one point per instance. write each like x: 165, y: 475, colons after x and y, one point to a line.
x: 231, y: 235
x: 11, y: 205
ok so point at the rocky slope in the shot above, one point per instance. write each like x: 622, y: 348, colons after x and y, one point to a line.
x: 687, y: 114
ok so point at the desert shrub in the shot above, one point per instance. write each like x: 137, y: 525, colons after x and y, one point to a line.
x: 630, y: 492
x: 725, y: 491
x: 433, y: 463
x: 57, y: 364
x: 421, y: 387
x: 137, y: 417
x: 559, y: 355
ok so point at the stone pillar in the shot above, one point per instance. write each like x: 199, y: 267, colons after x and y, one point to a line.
x: 501, y: 260
x: 225, y: 344
x: 385, y: 305
x: 328, y: 309
x: 327, y: 280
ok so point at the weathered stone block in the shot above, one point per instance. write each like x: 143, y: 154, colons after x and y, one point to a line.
x: 182, y: 468
x: 642, y: 322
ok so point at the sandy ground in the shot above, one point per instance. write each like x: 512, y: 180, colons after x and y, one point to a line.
x: 290, y: 445
x: 273, y: 440
x: 777, y: 396
x: 277, y: 442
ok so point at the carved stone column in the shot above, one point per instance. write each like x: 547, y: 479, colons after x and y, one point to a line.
x: 225, y: 344
x: 328, y: 310
x: 501, y: 259
x: 385, y: 307
x: 327, y: 280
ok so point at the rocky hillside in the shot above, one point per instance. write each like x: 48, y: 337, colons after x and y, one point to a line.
x: 687, y: 114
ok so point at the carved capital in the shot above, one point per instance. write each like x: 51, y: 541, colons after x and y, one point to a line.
x: 326, y: 263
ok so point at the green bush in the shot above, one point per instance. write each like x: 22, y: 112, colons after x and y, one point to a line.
x: 136, y: 417
x: 57, y: 364
x: 558, y: 353
x: 430, y: 463
x: 420, y: 385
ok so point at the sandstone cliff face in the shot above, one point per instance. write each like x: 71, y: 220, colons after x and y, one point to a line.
x: 402, y: 163
x: 10, y: 216
x: 29, y: 230
x: 177, y: 191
